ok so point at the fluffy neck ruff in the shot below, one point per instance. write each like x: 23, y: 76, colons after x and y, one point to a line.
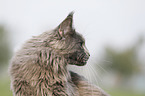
x: 54, y: 66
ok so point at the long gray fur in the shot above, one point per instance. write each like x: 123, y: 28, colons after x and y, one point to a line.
x: 39, y: 68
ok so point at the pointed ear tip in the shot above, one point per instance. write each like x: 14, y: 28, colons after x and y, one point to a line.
x: 71, y: 13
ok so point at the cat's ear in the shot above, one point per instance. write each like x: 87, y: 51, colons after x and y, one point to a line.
x: 66, y: 26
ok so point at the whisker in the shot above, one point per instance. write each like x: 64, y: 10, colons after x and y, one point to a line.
x: 96, y: 76
x: 100, y: 66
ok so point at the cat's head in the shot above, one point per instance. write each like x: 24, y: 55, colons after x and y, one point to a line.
x: 69, y: 43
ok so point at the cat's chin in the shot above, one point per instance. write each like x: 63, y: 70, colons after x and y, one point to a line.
x: 81, y: 64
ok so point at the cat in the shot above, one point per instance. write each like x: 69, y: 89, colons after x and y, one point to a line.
x: 39, y: 68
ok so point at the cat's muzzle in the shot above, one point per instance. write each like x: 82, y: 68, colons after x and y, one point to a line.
x: 78, y: 58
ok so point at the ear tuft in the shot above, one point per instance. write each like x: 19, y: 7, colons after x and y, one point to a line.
x: 70, y: 14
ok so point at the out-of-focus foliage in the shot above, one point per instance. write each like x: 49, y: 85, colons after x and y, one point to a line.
x: 123, y: 65
x: 126, y: 62
x: 4, y: 47
x: 4, y: 59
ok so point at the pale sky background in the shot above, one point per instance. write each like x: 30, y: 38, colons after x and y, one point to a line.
x: 117, y: 22
x: 113, y: 22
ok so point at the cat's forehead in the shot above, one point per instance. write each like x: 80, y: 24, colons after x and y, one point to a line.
x: 79, y: 37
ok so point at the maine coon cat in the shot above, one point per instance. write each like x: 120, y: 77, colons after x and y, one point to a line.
x: 39, y: 68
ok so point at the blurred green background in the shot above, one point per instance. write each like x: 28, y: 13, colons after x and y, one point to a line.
x: 114, y: 31
x: 5, y: 55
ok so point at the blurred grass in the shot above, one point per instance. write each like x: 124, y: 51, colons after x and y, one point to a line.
x: 125, y: 93
x: 5, y: 87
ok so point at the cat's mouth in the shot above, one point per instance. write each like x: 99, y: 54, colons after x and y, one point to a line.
x: 77, y: 59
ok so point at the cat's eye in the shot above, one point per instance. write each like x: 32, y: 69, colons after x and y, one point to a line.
x: 81, y: 43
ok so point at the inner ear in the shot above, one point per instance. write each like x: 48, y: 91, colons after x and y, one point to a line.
x: 66, y: 26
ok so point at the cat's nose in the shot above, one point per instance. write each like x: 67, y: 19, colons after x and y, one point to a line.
x: 86, y: 50
x: 89, y: 54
